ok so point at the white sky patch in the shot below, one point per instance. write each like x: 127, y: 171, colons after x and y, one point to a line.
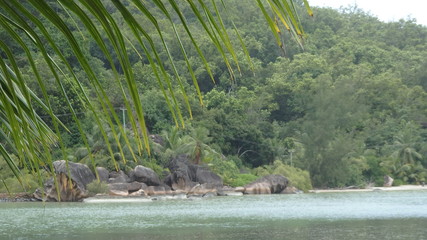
x: 385, y: 10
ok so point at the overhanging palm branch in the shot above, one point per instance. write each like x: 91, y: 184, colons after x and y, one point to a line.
x: 24, y: 133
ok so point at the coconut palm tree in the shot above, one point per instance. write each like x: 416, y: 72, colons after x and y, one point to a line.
x: 29, y: 25
x: 196, y: 144
x: 404, y: 146
x: 404, y: 161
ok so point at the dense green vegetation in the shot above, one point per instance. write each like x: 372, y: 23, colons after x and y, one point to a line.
x: 345, y: 111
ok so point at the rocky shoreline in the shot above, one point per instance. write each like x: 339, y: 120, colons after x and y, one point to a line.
x: 17, y: 197
x: 74, y: 182
x: 226, y: 191
x: 184, y: 180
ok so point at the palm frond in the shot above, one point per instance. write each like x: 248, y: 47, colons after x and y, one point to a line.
x: 29, y: 137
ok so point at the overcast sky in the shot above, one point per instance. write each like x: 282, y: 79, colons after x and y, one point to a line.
x: 385, y: 10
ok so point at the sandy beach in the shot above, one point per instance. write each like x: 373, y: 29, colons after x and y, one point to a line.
x: 371, y: 189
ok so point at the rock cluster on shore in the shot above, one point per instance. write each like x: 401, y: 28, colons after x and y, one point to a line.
x: 185, y: 179
x: 18, y: 197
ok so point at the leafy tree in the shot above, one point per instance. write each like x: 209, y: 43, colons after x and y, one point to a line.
x: 348, y: 109
x: 43, y: 23
x: 330, y: 134
x: 196, y: 144
x: 405, y: 162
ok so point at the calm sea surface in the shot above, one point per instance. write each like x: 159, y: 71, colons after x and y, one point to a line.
x: 364, y: 215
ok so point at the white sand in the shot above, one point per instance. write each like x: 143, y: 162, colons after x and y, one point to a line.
x: 396, y: 188
x: 116, y: 200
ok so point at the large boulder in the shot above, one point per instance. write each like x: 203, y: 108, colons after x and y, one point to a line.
x: 80, y: 173
x: 181, y: 176
x: 129, y: 187
x: 145, y: 175
x: 184, y: 176
x: 71, y: 178
x: 267, y: 185
x: 203, y: 175
x: 103, y: 174
x: 126, y: 189
x: 388, y: 181
x: 118, y: 177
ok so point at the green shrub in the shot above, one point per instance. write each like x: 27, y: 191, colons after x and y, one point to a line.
x: 262, y: 171
x: 226, y: 169
x: 96, y: 187
x: 297, y: 177
x: 398, y: 182
x: 242, y: 179
x: 375, y: 170
x: 101, y: 160
x: 154, y: 166
x: 12, y: 184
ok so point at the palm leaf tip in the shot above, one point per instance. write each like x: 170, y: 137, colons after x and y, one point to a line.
x: 308, y: 8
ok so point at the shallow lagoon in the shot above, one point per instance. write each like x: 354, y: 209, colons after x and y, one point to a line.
x: 362, y: 215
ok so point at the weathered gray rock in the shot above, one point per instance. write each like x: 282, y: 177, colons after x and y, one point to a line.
x: 145, y: 175
x: 267, y: 185
x: 80, y: 173
x: 388, y: 181
x: 118, y: 177
x: 185, y: 176
x: 72, y: 179
x: 130, y: 187
x: 103, y: 174
x: 181, y: 175
x: 205, y: 176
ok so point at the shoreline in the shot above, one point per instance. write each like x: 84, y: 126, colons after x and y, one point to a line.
x: 25, y: 197
x: 372, y: 189
x: 17, y: 197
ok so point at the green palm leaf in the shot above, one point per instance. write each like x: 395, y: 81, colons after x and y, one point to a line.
x: 29, y: 137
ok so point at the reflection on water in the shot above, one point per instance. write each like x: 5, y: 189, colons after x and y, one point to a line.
x: 367, y: 215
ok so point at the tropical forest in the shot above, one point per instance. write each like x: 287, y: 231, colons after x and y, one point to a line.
x: 341, y: 102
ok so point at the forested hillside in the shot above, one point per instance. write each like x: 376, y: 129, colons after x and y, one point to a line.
x: 347, y: 108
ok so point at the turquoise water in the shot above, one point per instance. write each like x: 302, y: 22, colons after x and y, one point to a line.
x: 364, y: 215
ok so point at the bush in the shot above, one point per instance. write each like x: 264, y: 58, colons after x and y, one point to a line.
x: 226, y: 169
x: 375, y: 171
x: 242, y: 180
x: 151, y: 163
x: 12, y: 185
x: 101, y: 160
x: 262, y: 171
x: 297, y: 177
x: 398, y: 182
x: 96, y: 187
